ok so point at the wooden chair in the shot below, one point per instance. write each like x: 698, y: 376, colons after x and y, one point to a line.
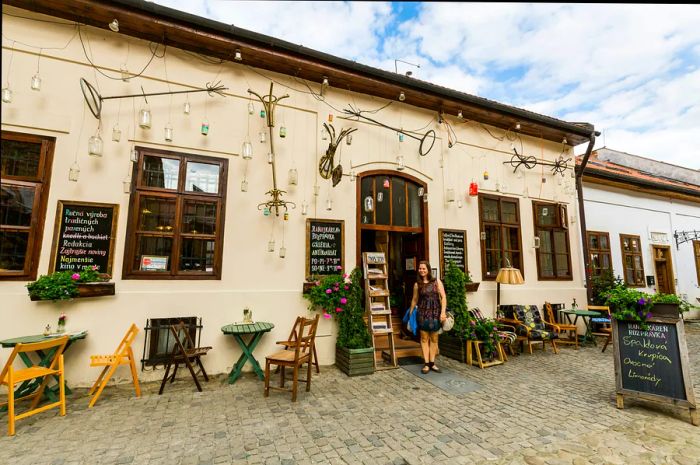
x: 184, y: 352
x: 290, y: 342
x: 529, y: 324
x: 122, y: 356
x: 506, y: 333
x: 299, y: 352
x: 560, y: 328
x: 11, y: 376
x: 602, y: 326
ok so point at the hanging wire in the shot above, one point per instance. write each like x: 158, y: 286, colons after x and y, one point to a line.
x: 9, y: 66
x: 80, y: 133
x: 45, y: 48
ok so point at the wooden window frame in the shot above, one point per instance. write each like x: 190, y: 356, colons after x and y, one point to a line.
x: 633, y: 254
x: 390, y: 227
x: 696, y: 253
x: 42, y: 184
x: 599, y: 251
x: 180, y: 195
x: 503, y: 227
x: 560, y: 225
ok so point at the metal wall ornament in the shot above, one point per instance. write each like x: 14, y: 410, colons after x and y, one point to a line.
x: 325, y: 166
x: 559, y: 165
x: 426, y: 142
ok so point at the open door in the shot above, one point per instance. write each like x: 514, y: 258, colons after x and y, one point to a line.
x: 663, y: 266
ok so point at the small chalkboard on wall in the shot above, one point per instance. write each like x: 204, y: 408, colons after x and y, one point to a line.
x: 652, y: 364
x: 325, y: 247
x: 453, y: 247
x: 84, y: 234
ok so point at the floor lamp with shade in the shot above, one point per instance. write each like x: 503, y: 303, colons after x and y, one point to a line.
x: 506, y: 275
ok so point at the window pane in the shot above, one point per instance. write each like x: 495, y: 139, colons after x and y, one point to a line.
x: 202, y: 177
x: 546, y: 215
x: 560, y: 242
x: 367, y: 216
x: 16, y: 204
x: 160, y: 172
x: 493, y: 263
x: 514, y: 258
x: 13, y: 250
x: 605, y: 262
x: 637, y: 262
x: 626, y: 244
x: 593, y: 242
x: 197, y: 255
x: 157, y: 214
x: 398, y: 201
x: 493, y: 237
x: 382, y: 206
x: 604, y: 245
x: 635, y: 245
x: 153, y: 253
x: 199, y: 217
x: 20, y: 158
x: 595, y: 261
x: 509, y: 212
x: 510, y: 239
x: 414, y: 205
x: 545, y: 241
x: 639, y: 276
x: 546, y: 264
x: 490, y: 210
x: 562, y: 265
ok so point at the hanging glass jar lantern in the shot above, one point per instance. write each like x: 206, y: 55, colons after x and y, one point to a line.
x: 425, y: 197
x: 116, y: 133
x: 168, y: 132
x: 134, y: 154
x: 293, y: 177
x: 399, y: 163
x: 271, y: 245
x: 205, y: 127
x: 368, y: 204
x: 262, y: 113
x: 74, y: 172
x: 283, y: 252
x: 247, y: 150
x: 126, y: 183
x: 386, y: 183
x: 251, y: 108
x: 450, y: 195
x: 348, y: 139
x: 486, y: 175
x: 7, y: 95
x: 266, y: 211
x: 329, y: 204
x: 317, y: 188
x: 473, y: 189
x: 286, y: 216
x: 244, y: 185
x: 459, y: 203
x: 330, y: 117
x: 400, y: 137
x: 124, y: 72
x: 261, y: 135
x: 421, y: 191
x: 145, y: 118
x: 186, y: 108
x: 304, y: 208
x: 36, y: 82
x: 283, y: 132
x: 95, y: 145
x: 380, y: 196
x: 352, y: 175
x: 324, y: 134
x: 270, y: 157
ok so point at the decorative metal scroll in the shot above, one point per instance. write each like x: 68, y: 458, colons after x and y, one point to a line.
x: 94, y: 99
x: 558, y: 166
x: 270, y: 102
x: 685, y: 236
x: 426, y: 142
x: 325, y: 166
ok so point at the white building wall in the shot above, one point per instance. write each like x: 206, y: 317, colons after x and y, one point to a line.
x: 251, y: 276
x: 618, y: 211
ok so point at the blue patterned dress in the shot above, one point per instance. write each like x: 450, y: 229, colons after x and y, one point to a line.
x: 429, y: 307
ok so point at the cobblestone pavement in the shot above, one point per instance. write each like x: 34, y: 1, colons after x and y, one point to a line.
x: 535, y: 409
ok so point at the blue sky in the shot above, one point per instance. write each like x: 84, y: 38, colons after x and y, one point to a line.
x: 631, y: 70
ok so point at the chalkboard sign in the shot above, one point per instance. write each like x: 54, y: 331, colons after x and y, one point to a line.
x: 453, y: 247
x: 325, y: 247
x: 84, y: 235
x: 652, y: 364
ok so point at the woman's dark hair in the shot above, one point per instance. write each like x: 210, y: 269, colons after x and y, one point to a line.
x: 431, y: 278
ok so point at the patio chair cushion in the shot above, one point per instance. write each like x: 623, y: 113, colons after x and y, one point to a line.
x: 530, y: 317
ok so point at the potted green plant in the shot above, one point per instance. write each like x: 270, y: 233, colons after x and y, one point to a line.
x: 339, y: 297
x: 669, y: 305
x: 484, y: 330
x: 629, y: 305
x: 67, y: 285
x: 601, y: 284
x: 470, y: 286
x: 453, y: 343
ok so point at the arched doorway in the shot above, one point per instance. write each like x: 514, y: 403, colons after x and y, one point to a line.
x: 392, y: 217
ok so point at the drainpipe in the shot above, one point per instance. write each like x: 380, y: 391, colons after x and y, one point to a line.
x: 582, y: 213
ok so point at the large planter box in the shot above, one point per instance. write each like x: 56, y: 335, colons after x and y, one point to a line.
x: 89, y: 290
x: 355, y: 362
x: 453, y: 347
x: 665, y: 310
x: 471, y: 287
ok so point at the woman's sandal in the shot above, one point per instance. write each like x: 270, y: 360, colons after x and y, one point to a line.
x: 425, y: 369
x: 436, y: 369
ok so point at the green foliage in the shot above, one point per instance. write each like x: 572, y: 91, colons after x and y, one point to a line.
x: 457, y: 299
x: 683, y: 305
x: 341, y: 296
x: 629, y: 304
x: 601, y: 284
x: 62, y: 285
x: 468, y: 277
x: 484, y: 330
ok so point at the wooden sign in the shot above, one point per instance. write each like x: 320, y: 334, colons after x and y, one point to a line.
x: 453, y: 247
x: 325, y: 247
x: 84, y: 235
x: 653, y: 364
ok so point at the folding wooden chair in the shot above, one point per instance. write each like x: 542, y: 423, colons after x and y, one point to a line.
x: 602, y: 325
x: 290, y: 342
x: 10, y: 377
x: 560, y: 328
x: 185, y: 352
x: 299, y: 353
x: 122, y: 356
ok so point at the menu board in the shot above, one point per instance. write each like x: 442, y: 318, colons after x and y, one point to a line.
x: 325, y: 250
x: 84, y: 235
x: 453, y: 247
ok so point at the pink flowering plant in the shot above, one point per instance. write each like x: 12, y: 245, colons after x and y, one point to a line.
x: 63, y: 285
x: 331, y: 294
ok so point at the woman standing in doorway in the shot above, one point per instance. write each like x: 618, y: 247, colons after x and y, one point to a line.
x: 429, y: 295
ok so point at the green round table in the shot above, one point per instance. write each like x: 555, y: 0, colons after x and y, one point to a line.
x: 256, y: 330
x: 586, y: 315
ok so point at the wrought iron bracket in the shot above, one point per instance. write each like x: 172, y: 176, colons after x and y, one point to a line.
x: 685, y: 236
x: 559, y: 165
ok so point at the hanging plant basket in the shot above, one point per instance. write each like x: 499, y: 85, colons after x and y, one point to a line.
x: 86, y: 290
x: 471, y: 287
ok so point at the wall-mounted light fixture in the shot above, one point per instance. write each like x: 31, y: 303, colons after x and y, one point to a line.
x: 237, y: 55
x: 402, y: 96
x: 459, y: 115
x: 517, y: 126
x: 324, y: 85
x: 114, y: 25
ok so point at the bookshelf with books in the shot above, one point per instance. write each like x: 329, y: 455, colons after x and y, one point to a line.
x: 377, y: 305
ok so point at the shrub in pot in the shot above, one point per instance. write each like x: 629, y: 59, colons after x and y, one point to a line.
x: 453, y: 343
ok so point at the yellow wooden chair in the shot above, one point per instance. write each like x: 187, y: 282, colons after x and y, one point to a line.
x: 560, y: 328
x: 122, y: 356
x: 11, y: 376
